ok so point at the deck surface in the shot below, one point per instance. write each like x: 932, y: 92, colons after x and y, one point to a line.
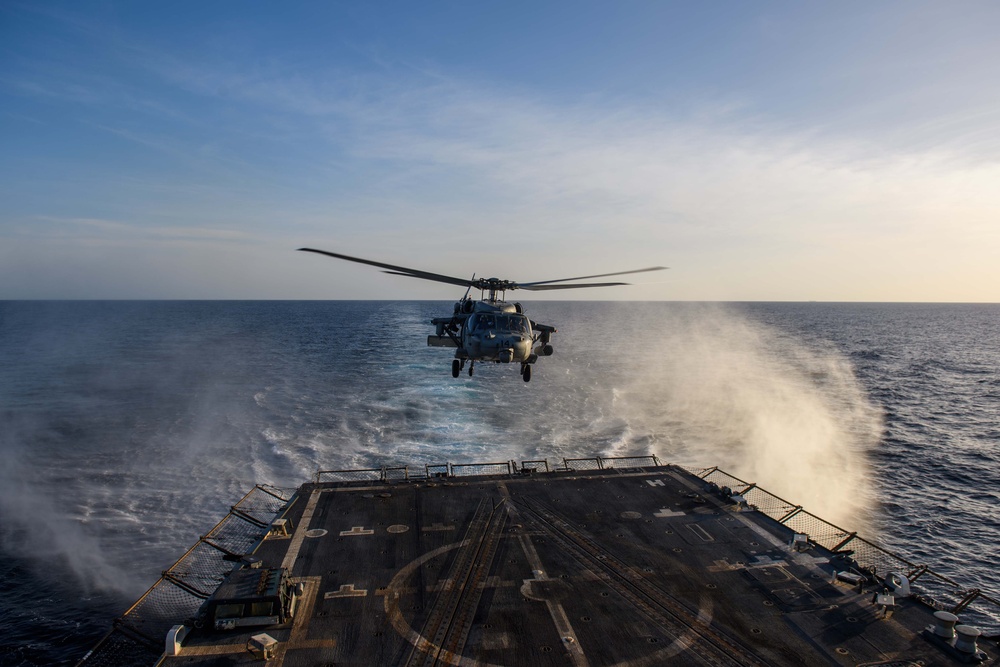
x: 597, y: 568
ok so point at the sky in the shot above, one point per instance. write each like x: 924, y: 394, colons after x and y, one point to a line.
x: 764, y: 151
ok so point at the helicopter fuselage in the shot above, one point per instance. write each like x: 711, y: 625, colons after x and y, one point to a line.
x: 491, y: 331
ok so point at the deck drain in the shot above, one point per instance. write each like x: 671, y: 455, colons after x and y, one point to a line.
x: 755, y: 631
x: 712, y: 586
x: 852, y: 619
x: 652, y: 640
x: 677, y: 550
x: 768, y: 603
x: 546, y: 649
x: 315, y: 532
x: 585, y: 619
x: 841, y: 650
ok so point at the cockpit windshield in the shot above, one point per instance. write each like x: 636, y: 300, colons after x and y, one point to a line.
x: 500, y: 323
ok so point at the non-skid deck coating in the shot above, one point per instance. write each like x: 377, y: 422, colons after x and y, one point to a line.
x: 610, y: 567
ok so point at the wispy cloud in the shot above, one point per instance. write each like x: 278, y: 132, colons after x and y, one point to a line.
x: 113, y: 230
x: 381, y: 153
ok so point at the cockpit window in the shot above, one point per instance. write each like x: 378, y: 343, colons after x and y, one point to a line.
x: 500, y: 323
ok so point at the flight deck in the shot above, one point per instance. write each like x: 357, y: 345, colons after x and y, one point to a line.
x: 593, y: 562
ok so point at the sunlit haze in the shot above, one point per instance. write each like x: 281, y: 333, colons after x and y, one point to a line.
x: 763, y: 151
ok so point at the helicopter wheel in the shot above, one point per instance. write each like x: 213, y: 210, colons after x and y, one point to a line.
x: 456, y: 368
x: 526, y: 373
x: 471, y: 367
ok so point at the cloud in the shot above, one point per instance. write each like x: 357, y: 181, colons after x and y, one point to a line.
x: 94, y: 229
x: 416, y: 160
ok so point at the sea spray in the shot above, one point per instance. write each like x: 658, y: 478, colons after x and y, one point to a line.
x: 37, y: 528
x: 715, y: 387
x: 698, y: 385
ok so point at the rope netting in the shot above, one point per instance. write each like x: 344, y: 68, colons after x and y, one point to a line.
x: 184, y: 586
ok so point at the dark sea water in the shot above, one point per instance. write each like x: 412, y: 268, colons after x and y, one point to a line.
x: 127, y: 429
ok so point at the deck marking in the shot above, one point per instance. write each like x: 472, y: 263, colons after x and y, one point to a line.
x: 700, y: 532
x: 303, y: 614
x: 346, y: 591
x: 435, y: 527
x: 391, y: 605
x: 559, y: 618
x: 355, y: 531
x: 667, y: 513
x: 300, y: 533
x: 723, y: 565
x: 689, y: 638
x: 397, y: 528
x: 655, y: 482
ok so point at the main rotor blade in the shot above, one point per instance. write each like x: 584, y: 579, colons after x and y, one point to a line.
x: 535, y: 287
x: 599, y: 275
x: 397, y: 270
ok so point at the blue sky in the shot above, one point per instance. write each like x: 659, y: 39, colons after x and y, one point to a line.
x: 764, y: 151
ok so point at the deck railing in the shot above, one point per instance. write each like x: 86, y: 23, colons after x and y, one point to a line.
x: 935, y: 589
x: 447, y: 469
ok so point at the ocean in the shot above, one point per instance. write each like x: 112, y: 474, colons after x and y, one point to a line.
x: 127, y: 429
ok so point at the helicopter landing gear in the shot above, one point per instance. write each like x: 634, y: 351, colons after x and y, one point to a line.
x: 526, y: 372
x: 456, y: 368
x: 472, y: 366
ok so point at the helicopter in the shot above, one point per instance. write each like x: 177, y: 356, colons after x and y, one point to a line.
x: 488, y: 328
